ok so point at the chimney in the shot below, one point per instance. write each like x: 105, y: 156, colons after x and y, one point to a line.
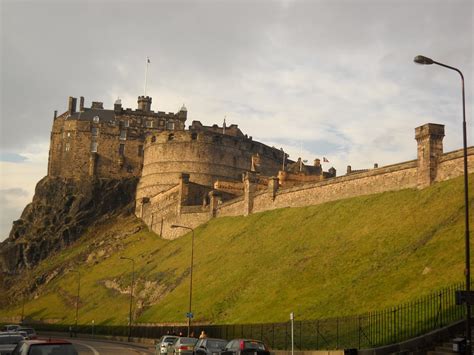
x: 71, y: 107
x: 144, y: 103
x: 55, y: 114
x: 349, y: 169
x: 81, y: 104
x: 97, y: 105
x: 376, y: 165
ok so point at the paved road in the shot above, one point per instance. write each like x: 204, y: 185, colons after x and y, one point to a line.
x: 98, y: 347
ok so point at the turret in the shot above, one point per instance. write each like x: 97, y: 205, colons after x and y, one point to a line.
x: 118, y: 105
x: 144, y: 103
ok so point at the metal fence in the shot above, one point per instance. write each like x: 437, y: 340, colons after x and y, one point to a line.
x: 368, y: 330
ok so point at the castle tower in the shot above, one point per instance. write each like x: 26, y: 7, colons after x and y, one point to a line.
x: 429, y: 138
x: 144, y: 103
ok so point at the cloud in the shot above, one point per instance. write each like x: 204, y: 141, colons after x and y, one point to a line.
x: 330, y: 78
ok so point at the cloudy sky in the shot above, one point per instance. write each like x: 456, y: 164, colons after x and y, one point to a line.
x: 321, y: 78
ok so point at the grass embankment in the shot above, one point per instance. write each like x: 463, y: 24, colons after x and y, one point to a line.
x: 339, y: 258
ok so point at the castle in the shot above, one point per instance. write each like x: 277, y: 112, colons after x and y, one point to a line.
x: 188, y: 176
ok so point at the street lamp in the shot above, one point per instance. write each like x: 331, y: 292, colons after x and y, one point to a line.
x: 427, y: 61
x: 77, y: 298
x: 131, y: 297
x: 190, y: 314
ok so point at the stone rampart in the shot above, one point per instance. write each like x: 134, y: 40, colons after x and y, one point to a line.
x: 181, y: 204
x: 206, y: 156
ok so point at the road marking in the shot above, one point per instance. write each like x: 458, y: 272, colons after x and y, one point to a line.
x: 88, y: 346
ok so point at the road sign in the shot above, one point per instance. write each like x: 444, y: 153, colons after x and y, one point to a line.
x: 189, y: 315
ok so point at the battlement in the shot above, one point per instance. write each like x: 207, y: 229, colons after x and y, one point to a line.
x: 211, y: 137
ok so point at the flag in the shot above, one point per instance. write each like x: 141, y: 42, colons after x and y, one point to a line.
x: 325, y: 160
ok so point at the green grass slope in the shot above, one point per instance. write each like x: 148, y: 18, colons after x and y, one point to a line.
x: 340, y: 258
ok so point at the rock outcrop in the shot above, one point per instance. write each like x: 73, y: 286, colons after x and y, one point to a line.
x: 61, y: 210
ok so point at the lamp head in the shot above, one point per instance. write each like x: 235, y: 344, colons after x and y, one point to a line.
x: 419, y: 59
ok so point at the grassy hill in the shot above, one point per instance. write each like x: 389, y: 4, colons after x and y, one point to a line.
x: 339, y: 258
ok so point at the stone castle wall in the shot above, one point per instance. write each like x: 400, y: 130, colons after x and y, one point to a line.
x: 206, y: 156
x: 429, y: 168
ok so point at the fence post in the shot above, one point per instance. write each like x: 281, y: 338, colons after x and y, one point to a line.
x: 273, y: 335
x: 317, y: 334
x: 359, y: 331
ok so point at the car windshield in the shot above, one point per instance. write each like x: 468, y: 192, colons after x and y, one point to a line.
x: 187, y: 341
x: 216, y: 344
x: 27, y: 330
x: 257, y: 345
x: 10, y: 339
x: 52, y: 349
x: 169, y: 340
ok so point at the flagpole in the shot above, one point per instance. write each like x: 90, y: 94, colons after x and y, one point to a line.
x: 146, y: 73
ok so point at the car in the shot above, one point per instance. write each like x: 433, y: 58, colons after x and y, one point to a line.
x: 209, y: 346
x: 8, y: 342
x: 183, y: 346
x: 30, y: 332
x: 10, y: 327
x: 45, y: 347
x: 164, y: 343
x: 245, y: 346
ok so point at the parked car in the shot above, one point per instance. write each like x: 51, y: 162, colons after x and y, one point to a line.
x: 210, y: 346
x: 164, y: 343
x: 245, y: 346
x: 183, y: 346
x: 44, y: 347
x: 10, y: 327
x: 30, y: 332
x: 8, y: 342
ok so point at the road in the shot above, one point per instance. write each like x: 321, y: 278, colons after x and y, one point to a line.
x: 100, y: 347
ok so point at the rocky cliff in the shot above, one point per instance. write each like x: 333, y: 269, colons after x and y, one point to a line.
x: 61, y: 210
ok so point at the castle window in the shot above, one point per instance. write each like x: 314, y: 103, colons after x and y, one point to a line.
x: 94, y: 147
x: 129, y: 168
x: 67, y: 147
x: 194, y: 136
x: 69, y: 134
x: 96, y: 119
x: 123, y: 134
x: 127, y: 123
x: 149, y: 124
x: 162, y: 123
x: 171, y: 137
x: 122, y: 149
x: 170, y: 125
x: 140, y: 150
x: 95, y: 131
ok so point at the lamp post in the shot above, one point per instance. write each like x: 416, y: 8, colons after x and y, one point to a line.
x: 428, y: 61
x: 131, y: 297
x: 77, y: 298
x: 190, y: 314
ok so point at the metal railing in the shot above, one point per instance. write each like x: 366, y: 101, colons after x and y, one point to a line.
x: 373, y: 329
